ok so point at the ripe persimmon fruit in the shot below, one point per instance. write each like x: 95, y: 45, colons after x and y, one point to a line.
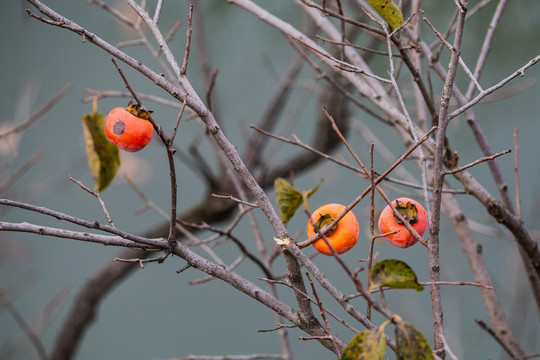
x: 129, y: 128
x: 412, y: 212
x: 341, y: 237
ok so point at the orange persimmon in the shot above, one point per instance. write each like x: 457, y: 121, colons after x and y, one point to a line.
x: 412, y: 212
x: 342, y: 237
x: 129, y: 128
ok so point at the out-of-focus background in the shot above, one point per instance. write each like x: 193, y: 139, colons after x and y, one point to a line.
x: 155, y: 313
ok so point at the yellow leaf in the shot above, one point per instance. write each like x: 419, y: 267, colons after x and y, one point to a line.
x: 389, y: 11
x: 103, y: 156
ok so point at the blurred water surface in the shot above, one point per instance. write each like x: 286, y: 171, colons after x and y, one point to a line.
x: 155, y: 313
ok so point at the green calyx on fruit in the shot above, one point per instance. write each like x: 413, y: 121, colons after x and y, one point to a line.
x: 408, y: 211
x: 325, y: 219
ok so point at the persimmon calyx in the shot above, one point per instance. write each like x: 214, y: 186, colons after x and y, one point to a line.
x: 325, y: 219
x: 408, y: 211
x: 138, y: 110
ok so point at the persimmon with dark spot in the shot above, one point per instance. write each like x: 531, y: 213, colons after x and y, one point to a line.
x: 412, y: 212
x: 129, y: 128
x: 342, y: 237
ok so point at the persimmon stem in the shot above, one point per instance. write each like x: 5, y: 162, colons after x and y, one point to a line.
x: 171, y: 238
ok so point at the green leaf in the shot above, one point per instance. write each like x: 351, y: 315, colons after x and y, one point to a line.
x: 366, y: 345
x: 393, y: 274
x: 103, y: 156
x: 289, y: 198
x: 389, y: 11
x: 411, y: 344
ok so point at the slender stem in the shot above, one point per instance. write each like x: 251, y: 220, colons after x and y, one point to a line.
x: 466, y: 105
x: 438, y: 182
x: 516, y: 174
x: 183, y: 70
x: 81, y: 222
x: 150, y: 244
x: 476, y: 162
x: 157, y: 13
x: 371, y: 224
x: 486, y: 46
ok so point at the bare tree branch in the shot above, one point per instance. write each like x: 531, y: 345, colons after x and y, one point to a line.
x: 438, y: 178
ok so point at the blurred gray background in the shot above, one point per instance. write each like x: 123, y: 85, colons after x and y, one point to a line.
x: 155, y: 313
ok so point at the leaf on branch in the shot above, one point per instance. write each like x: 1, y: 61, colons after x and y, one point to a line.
x: 393, y: 274
x: 367, y: 345
x: 289, y: 198
x: 411, y: 344
x: 103, y: 156
x: 389, y: 11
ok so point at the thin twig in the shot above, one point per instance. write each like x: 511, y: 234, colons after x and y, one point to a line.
x: 322, y: 312
x: 371, y: 223
x: 490, y: 331
x: 486, y: 46
x: 97, y: 196
x: 476, y: 162
x: 447, y: 44
x: 460, y: 283
x: 141, y: 262
x: 74, y: 220
x: 183, y: 70
x: 20, y: 171
x: 344, y: 43
x: 516, y: 173
x: 38, y: 114
x: 157, y: 12
x: 243, y: 249
x: 429, y: 283
x: 326, y: 11
x: 240, y: 201
x: 327, y: 311
x: 233, y: 265
x: 210, y: 89
x: 147, y: 244
x: 278, y: 327
x: 175, y: 129
x: 114, y: 12
x: 161, y: 41
x: 101, y: 94
x: 500, y: 84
